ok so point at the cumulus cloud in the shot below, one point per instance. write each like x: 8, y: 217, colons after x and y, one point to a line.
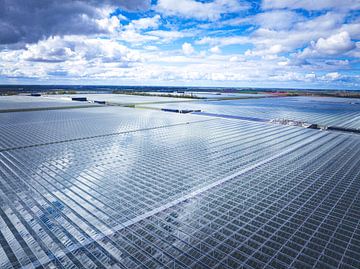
x: 145, y: 23
x: 108, y: 25
x: 188, y: 49
x: 278, y: 43
x: 336, y: 44
x: 356, y: 51
x: 236, y: 58
x: 74, y: 48
x: 272, y: 50
x: 295, y: 33
x: 326, y: 22
x: 301, y: 32
x: 160, y: 67
x: 32, y: 20
x: 52, y: 50
x: 145, y: 30
x: 134, y: 32
x: 199, y: 10
x: 215, y: 49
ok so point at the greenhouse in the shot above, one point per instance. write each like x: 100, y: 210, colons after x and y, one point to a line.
x: 120, y: 187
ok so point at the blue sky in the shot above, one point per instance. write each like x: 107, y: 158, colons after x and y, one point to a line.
x: 270, y: 43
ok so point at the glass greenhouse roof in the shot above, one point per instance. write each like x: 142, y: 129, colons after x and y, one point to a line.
x: 114, y: 187
x: 19, y: 102
x: 342, y: 112
x: 121, y: 98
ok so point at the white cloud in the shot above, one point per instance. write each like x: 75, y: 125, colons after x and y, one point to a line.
x: 352, y: 28
x: 273, y: 50
x: 281, y: 44
x: 236, y: 58
x: 356, y: 51
x: 335, y: 44
x: 53, y: 49
x: 277, y: 19
x: 74, y: 48
x: 301, y: 32
x: 208, y: 40
x: 151, y: 48
x: 327, y: 22
x: 159, y: 67
x: 187, y: 48
x: 144, y: 32
x: 284, y: 63
x: 269, y: 40
x: 165, y: 36
x: 135, y: 38
x: 311, y: 4
x: 331, y: 76
x: 145, y: 23
x: 109, y: 25
x: 215, y: 49
x: 223, y: 41
x: 310, y: 76
x: 134, y: 32
x: 199, y: 10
